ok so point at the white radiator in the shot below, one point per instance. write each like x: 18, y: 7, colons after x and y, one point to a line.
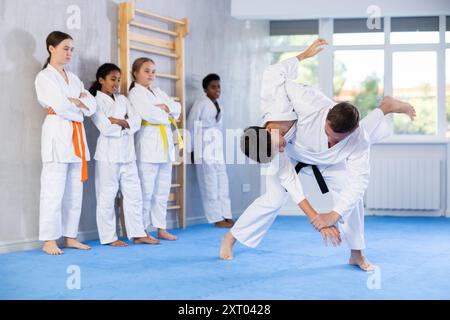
x: 404, y: 184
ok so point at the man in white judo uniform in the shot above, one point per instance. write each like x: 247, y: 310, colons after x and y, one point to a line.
x: 325, y: 139
x: 205, y: 127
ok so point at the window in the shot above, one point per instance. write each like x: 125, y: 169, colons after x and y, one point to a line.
x: 359, y: 63
x: 447, y: 91
x: 357, y: 32
x: 289, y: 38
x: 415, y: 80
x: 308, y: 69
x: 415, y: 30
x: 358, y: 78
x: 293, y: 33
x: 447, y: 29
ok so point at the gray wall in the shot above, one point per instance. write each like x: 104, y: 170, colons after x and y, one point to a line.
x: 216, y: 43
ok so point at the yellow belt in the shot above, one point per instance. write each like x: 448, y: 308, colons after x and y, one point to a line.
x: 162, y: 129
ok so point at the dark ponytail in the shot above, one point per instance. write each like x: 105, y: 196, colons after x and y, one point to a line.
x: 102, y: 73
x: 54, y: 39
x: 96, y: 86
x: 137, y: 64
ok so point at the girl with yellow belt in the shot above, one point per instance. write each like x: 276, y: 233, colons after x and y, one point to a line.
x: 155, y: 150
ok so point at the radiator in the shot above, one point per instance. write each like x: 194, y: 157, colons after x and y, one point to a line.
x: 404, y: 184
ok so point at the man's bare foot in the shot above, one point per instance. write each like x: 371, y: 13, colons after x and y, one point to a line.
x: 51, y: 248
x: 358, y: 259
x: 146, y: 240
x: 75, y: 244
x: 226, y: 247
x: 391, y: 105
x: 223, y: 224
x: 163, y: 234
x: 118, y: 243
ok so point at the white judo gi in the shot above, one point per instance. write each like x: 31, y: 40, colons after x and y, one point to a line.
x: 205, y: 127
x: 115, y: 167
x: 155, y: 151
x: 345, y: 167
x: 63, y: 149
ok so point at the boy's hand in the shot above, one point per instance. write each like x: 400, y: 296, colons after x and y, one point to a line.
x: 333, y: 234
x: 325, y: 220
x: 313, y: 49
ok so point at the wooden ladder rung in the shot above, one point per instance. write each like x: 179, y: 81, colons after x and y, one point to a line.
x: 152, y: 28
x: 158, y: 52
x: 168, y: 76
x: 160, y: 17
x: 142, y: 32
x: 152, y: 41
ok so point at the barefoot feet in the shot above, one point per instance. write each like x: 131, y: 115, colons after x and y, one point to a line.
x: 357, y: 259
x: 51, y: 248
x: 226, y: 247
x: 163, y: 234
x: 391, y: 105
x: 224, y: 224
x: 75, y: 244
x: 146, y: 240
x: 118, y: 243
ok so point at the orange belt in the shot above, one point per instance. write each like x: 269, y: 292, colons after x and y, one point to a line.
x: 78, y: 134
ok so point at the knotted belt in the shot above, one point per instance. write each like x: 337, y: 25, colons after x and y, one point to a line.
x: 162, y: 129
x: 317, y: 174
x: 78, y: 140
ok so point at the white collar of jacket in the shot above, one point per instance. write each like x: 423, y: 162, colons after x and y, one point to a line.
x: 286, y: 116
x: 290, y: 135
x: 104, y: 95
x: 153, y: 88
x: 68, y: 73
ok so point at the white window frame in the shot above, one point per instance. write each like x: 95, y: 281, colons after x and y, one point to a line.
x: 326, y: 63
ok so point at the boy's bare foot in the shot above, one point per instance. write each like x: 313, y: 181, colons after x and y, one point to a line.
x: 230, y: 221
x: 118, y: 243
x: 146, y: 240
x: 163, y: 234
x: 358, y: 259
x: 226, y: 247
x: 223, y: 224
x: 391, y: 105
x: 75, y: 244
x: 51, y: 248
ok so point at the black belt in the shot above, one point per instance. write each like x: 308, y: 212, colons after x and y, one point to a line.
x: 319, y: 178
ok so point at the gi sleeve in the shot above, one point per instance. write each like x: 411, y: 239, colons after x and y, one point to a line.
x: 357, y: 180
x: 134, y: 120
x: 275, y: 104
x: 145, y: 108
x: 174, y: 107
x: 193, y: 122
x: 89, y: 101
x: 104, y: 125
x: 289, y: 178
x: 50, y: 96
